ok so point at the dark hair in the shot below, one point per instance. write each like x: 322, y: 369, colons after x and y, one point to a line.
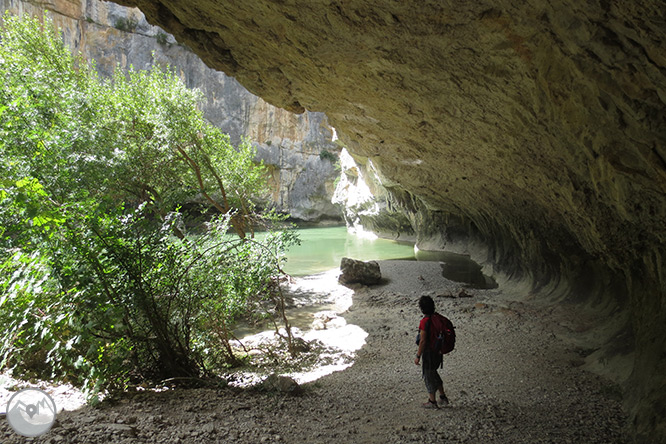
x: 427, y: 305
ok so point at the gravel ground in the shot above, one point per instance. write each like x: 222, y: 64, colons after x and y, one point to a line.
x: 514, y: 377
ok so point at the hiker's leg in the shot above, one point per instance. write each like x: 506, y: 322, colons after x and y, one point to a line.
x: 431, y: 389
x: 437, y: 383
x: 440, y: 388
x: 430, y: 379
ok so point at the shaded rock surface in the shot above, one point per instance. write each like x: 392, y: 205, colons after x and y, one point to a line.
x: 535, y: 130
x: 282, y: 384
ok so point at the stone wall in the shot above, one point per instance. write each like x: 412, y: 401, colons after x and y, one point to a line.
x: 301, y: 179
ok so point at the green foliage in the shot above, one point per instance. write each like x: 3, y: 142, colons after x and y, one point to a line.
x: 127, y: 24
x: 161, y: 38
x: 327, y: 155
x: 100, y: 282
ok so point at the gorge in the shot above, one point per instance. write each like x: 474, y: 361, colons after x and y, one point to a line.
x: 530, y: 136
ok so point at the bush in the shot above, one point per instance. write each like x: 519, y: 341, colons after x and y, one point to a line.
x: 126, y: 24
x: 140, y: 303
x: 162, y: 38
x: 101, y: 284
x: 327, y: 155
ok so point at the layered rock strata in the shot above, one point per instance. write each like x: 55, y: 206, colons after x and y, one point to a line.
x: 537, y: 126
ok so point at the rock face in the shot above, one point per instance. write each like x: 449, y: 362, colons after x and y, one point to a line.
x: 367, y: 204
x: 359, y: 272
x: 301, y: 178
x: 530, y: 133
x: 536, y: 128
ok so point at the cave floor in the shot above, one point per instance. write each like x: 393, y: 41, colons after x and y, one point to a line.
x: 515, y: 377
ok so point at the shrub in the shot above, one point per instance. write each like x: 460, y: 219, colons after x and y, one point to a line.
x: 327, y: 155
x: 126, y: 24
x: 162, y: 38
x: 100, y: 280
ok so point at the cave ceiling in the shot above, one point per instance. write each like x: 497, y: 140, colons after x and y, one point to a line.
x: 544, y: 121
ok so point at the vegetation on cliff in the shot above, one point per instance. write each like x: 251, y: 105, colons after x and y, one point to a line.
x: 101, y: 282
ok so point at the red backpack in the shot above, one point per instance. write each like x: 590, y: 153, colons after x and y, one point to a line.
x: 444, y: 332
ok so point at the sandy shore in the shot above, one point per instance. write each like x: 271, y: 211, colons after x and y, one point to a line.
x: 515, y: 377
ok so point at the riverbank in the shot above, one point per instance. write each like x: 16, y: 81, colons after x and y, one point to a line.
x: 515, y: 377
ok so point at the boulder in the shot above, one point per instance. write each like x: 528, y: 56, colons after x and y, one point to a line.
x: 359, y: 272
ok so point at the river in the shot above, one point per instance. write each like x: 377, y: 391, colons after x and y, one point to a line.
x: 321, y: 249
x: 318, y: 301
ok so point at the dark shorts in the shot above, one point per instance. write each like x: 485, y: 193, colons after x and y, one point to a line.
x: 429, y: 366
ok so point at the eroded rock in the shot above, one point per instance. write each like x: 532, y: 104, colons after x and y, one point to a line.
x: 531, y: 133
x: 359, y: 272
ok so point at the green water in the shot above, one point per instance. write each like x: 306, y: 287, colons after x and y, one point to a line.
x: 322, y: 249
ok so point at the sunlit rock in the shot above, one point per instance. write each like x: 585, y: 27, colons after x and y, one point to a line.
x: 359, y: 272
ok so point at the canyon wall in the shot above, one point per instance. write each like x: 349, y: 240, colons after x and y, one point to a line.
x: 531, y: 135
x: 534, y: 129
x: 301, y: 179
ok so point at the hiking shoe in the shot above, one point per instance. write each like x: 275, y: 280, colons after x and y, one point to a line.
x: 430, y: 405
x: 443, y: 400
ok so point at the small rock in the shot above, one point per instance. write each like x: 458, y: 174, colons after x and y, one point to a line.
x: 463, y: 294
x: 300, y: 345
x: 209, y: 428
x: 121, y: 429
x: 283, y: 384
x: 86, y: 420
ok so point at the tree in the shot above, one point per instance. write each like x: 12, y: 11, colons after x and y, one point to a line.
x: 101, y: 274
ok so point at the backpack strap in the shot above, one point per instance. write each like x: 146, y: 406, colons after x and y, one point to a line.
x: 427, y: 330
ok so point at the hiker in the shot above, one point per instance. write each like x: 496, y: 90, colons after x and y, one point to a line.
x: 432, y: 359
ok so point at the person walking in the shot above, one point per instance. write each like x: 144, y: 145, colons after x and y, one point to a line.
x: 427, y: 356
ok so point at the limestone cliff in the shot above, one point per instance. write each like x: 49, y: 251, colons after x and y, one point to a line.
x: 367, y: 203
x: 536, y: 127
x: 301, y: 179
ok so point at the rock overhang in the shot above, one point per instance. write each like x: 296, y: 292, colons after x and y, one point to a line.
x: 491, y: 113
x: 539, y: 127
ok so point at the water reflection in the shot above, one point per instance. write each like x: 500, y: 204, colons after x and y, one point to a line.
x: 322, y: 249
x: 458, y: 268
